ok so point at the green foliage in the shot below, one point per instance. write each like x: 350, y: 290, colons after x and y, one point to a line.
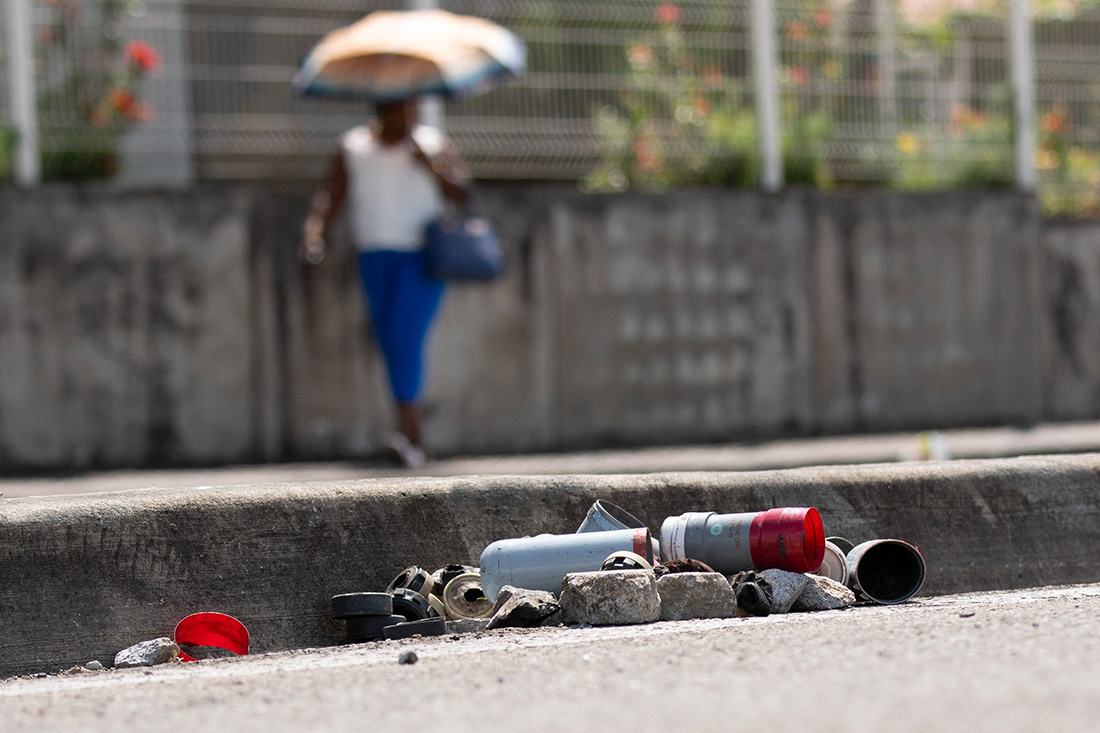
x: 805, y: 159
x: 91, y: 86
x: 973, y: 151
x: 1069, y: 175
x: 7, y: 146
x: 677, y: 121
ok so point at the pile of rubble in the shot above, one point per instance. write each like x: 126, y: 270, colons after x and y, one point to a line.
x: 612, y: 571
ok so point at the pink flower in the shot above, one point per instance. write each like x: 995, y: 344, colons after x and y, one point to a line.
x: 713, y: 77
x: 668, y: 13
x: 798, y: 31
x: 640, y: 54
x: 800, y: 75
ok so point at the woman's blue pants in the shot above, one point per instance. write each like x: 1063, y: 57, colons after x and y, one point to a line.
x: 403, y: 301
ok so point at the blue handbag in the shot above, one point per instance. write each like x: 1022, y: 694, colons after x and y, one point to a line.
x: 462, y: 248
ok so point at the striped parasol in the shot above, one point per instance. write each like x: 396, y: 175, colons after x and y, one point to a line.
x: 391, y: 55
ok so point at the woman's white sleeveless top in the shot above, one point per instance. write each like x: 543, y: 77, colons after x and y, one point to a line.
x: 391, y: 196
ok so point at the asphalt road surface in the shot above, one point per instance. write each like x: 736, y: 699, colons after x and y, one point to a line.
x: 1012, y: 661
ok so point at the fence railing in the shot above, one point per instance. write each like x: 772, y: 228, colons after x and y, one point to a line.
x: 619, y: 93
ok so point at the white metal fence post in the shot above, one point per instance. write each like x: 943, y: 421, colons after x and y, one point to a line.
x: 431, y: 108
x: 1022, y: 53
x: 27, y: 167
x: 886, y: 41
x: 765, y: 62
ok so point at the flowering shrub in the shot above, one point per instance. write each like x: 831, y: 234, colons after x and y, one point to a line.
x: 1069, y: 175
x: 678, y: 122
x: 92, y: 86
x: 971, y: 151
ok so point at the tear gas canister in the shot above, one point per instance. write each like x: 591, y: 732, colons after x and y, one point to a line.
x: 790, y: 538
x: 540, y: 563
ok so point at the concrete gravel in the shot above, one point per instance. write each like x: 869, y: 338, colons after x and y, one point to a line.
x: 1007, y: 661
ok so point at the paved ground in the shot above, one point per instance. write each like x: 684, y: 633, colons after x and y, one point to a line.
x: 878, y: 448
x: 1014, y: 661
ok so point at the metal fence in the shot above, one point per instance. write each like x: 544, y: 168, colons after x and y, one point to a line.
x: 620, y: 93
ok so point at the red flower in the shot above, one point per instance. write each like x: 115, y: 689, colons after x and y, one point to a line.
x: 668, y: 13
x: 1051, y: 122
x: 800, y: 75
x: 713, y: 77
x: 122, y: 101
x: 823, y: 18
x: 798, y: 31
x: 640, y: 54
x: 143, y: 56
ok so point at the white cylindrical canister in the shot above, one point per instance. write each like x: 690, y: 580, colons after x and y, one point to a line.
x: 540, y: 563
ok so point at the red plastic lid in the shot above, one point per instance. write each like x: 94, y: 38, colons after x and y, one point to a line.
x: 791, y: 538
x: 212, y: 629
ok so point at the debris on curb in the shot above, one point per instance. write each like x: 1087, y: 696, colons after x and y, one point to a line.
x: 523, y: 608
x: 823, y: 594
x: 411, y: 605
x: 463, y: 597
x: 414, y: 578
x: 610, y: 598
x: 148, y: 653
x: 753, y: 594
x: 685, y: 565
x: 835, y: 563
x: 787, y: 538
x: 541, y: 562
x: 408, y: 657
x: 367, y: 614
x: 886, y: 571
x: 434, y: 626
x: 94, y: 666
x: 695, y: 595
x: 467, y: 625
x: 612, y: 571
x: 626, y: 560
x: 786, y: 587
x: 209, y: 635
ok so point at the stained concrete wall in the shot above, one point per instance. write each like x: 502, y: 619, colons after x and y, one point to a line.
x: 153, y: 328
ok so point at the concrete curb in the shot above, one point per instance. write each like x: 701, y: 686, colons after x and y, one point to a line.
x: 84, y: 576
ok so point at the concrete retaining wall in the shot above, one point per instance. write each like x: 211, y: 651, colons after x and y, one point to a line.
x: 84, y: 576
x: 161, y: 328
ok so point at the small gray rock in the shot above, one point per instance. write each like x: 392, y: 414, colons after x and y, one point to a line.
x: 610, y: 598
x: 555, y: 620
x: 695, y: 595
x: 467, y: 625
x: 524, y: 609
x: 823, y: 594
x: 95, y: 665
x: 786, y: 587
x: 148, y: 653
x: 502, y: 597
x: 408, y: 657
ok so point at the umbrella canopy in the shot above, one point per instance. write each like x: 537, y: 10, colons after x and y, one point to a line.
x: 392, y: 55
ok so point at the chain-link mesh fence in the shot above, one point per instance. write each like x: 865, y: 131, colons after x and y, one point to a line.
x: 1067, y: 56
x: 619, y: 93
x: 7, y: 130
